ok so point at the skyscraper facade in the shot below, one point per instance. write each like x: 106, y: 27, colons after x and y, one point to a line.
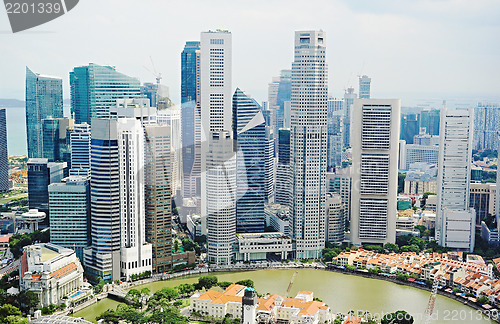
x: 349, y: 97
x: 284, y: 177
x: 375, y: 147
x: 334, y: 117
x: 189, y: 102
x: 102, y: 258
x: 486, y: 126
x: 455, y: 221
x: 44, y: 99
x: 41, y: 173
x: 334, y: 218
x: 308, y: 143
x: 249, y: 134
x: 4, y: 157
x: 172, y: 117
x: 364, y: 87
x: 410, y: 126
x: 158, y: 194
x: 80, y: 149
x: 429, y: 118
x: 95, y: 88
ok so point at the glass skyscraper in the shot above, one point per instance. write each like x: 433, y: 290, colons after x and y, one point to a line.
x: 4, y: 158
x: 44, y: 99
x: 95, y: 88
x: 249, y: 133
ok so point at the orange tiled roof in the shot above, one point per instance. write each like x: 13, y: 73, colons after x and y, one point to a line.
x: 64, y: 270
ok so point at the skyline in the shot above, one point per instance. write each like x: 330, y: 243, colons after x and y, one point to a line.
x: 426, y: 50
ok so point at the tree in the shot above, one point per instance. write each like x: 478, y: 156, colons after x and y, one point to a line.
x: 8, y: 310
x: 391, y: 247
x: 399, y: 317
x: 28, y: 300
x: 109, y: 316
x: 185, y: 289
x: 207, y: 282
x: 483, y: 300
x: 246, y: 282
x: 176, y: 246
x: 167, y: 293
x: 224, y: 284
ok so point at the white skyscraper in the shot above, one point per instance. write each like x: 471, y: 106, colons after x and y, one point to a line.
x: 135, y: 253
x: 375, y: 148
x: 218, y: 161
x: 454, y: 219
x: 308, y: 143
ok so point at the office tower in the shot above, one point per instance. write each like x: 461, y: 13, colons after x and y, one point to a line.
x: 429, y: 118
x: 482, y: 199
x: 454, y: 217
x: 486, y: 126
x: 410, y: 126
x: 154, y: 92
x: 55, y: 146
x: 283, y: 98
x: 335, y: 221
x: 44, y: 98
x: 189, y: 102
x: 158, y: 194
x: 349, y: 97
x: 308, y: 143
x: 425, y: 139
x: 172, y: 117
x: 41, y: 173
x: 80, y: 150
x: 4, y: 157
x: 402, y: 155
x: 270, y: 172
x: 135, y: 253
x: 364, y: 87
x: 334, y: 118
x: 69, y: 207
x: 216, y: 131
x: 284, y: 177
x: 340, y: 183
x: 375, y: 146
x: 249, y: 134
x: 95, y: 88
x: 102, y: 259
x: 415, y: 153
x: 272, y: 99
x: 221, y: 197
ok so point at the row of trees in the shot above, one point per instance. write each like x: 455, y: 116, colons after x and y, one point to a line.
x: 18, y: 242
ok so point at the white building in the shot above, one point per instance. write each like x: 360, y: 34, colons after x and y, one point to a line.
x: 375, y: 140
x: 258, y: 246
x: 335, y: 220
x: 277, y: 217
x: 308, y: 143
x: 421, y: 153
x: 51, y: 272
x: 172, y: 116
x: 135, y: 254
x: 454, y: 219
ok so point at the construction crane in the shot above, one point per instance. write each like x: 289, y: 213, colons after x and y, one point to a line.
x: 158, y: 79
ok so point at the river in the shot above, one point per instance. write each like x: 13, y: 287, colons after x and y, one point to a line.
x: 341, y: 292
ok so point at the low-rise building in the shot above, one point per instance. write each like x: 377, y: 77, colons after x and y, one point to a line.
x: 262, y: 246
x: 51, y: 272
x: 277, y: 217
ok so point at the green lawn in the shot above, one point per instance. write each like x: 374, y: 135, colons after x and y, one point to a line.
x: 21, y: 195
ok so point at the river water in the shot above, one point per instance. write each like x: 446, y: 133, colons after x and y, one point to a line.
x: 341, y: 292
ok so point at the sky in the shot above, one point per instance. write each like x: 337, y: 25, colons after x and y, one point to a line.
x: 414, y: 50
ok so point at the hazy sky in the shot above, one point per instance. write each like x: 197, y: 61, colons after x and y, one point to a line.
x: 440, y: 49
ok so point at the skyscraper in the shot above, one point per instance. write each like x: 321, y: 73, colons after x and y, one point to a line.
x: 375, y: 147
x: 4, y: 157
x: 158, y: 194
x: 249, y: 133
x: 308, y: 143
x: 154, y: 92
x: 41, y: 173
x: 135, y: 253
x: 430, y: 120
x: 44, y: 98
x: 283, y: 173
x: 80, y: 149
x: 349, y: 97
x: 334, y: 117
x: 283, y: 97
x: 190, y: 126
x: 410, y: 126
x: 95, y: 88
x: 335, y: 218
x: 69, y: 206
x: 364, y: 87
x: 455, y: 220
x: 486, y: 126
x: 171, y: 116
x: 102, y: 259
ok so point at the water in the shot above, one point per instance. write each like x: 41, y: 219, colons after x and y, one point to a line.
x: 341, y: 292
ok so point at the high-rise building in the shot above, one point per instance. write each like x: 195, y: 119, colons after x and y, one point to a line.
x: 69, y: 207
x: 340, y: 183
x: 335, y: 221
x: 218, y: 163
x: 249, y: 134
x: 455, y: 220
x: 270, y: 165
x: 308, y: 143
x: 283, y: 98
x: 135, y: 254
x: 80, y: 150
x: 284, y: 177
x: 364, y: 87
x: 334, y: 117
x: 375, y: 147
x: 482, y: 199
x: 158, y: 194
x: 4, y: 157
x: 349, y: 97
x: 430, y: 120
x: 221, y: 197
x: 95, y: 88
x: 486, y: 126
x: 172, y: 117
x: 415, y: 153
x: 154, y: 92
x: 44, y: 99
x: 41, y: 173
x: 410, y: 126
x: 190, y: 125
x: 102, y: 258
x: 55, y: 141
